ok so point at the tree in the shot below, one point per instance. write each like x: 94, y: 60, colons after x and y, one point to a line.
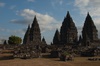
x: 14, y: 40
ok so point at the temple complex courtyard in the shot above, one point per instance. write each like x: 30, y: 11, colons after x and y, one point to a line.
x: 78, y: 61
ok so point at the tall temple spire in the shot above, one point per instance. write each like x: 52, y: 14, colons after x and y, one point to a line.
x: 80, y: 38
x: 33, y: 35
x: 29, y: 27
x: 27, y: 37
x: 69, y: 18
x: 88, y: 17
x: 56, y: 38
x: 35, y: 22
x: 68, y: 15
x: 89, y: 29
x: 43, y: 41
x: 68, y: 32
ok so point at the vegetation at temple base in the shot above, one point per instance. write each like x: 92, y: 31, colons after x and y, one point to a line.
x: 14, y: 40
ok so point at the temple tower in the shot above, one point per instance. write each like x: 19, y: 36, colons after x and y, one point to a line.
x: 26, y: 39
x: 43, y: 41
x: 33, y: 35
x: 89, y: 32
x: 68, y: 31
x: 56, y: 38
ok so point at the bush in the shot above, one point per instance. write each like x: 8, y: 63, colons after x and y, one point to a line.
x: 13, y: 40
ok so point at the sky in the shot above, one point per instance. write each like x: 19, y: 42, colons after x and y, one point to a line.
x: 16, y: 15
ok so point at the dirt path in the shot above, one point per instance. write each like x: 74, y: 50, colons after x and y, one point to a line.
x: 47, y: 62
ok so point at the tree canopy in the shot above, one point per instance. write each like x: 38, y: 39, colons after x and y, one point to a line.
x: 14, y: 40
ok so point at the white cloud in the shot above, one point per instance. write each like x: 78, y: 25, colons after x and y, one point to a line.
x: 2, y: 4
x: 29, y: 14
x: 46, y: 21
x: 23, y: 22
x: 30, y: 0
x: 81, y: 3
x: 55, y: 3
x: 92, y: 6
x: 1, y: 41
x: 18, y: 32
x: 3, y: 30
x: 10, y: 32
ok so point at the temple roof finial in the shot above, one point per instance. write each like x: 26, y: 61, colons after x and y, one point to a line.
x: 88, y: 14
x: 68, y: 14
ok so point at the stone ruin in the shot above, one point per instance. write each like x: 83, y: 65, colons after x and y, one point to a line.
x: 27, y: 52
x: 84, y: 46
x: 65, y: 40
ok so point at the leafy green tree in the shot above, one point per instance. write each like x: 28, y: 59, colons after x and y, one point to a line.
x: 14, y: 40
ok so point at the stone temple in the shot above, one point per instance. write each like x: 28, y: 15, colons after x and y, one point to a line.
x: 33, y: 34
x: 68, y: 32
x: 65, y: 40
x: 89, y: 32
x: 56, y: 39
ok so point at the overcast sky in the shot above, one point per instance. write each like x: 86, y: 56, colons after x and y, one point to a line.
x: 15, y: 15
